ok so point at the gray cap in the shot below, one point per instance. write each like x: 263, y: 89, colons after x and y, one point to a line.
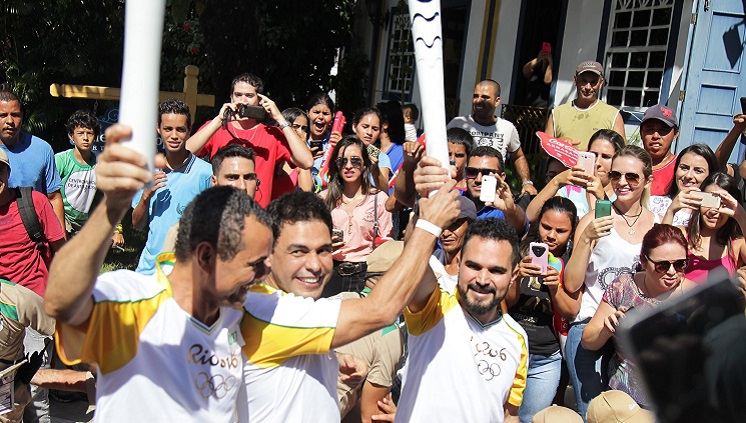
x: 468, y: 209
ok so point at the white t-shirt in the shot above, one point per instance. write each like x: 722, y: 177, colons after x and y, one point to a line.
x: 289, y: 366
x: 459, y: 369
x: 501, y: 136
x: 659, y: 204
x: 155, y: 362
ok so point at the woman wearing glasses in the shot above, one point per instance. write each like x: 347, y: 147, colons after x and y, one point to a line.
x: 663, y: 260
x: 604, y: 249
x: 715, y: 234
x: 358, y: 212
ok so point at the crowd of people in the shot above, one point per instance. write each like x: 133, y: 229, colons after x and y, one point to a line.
x: 295, y: 270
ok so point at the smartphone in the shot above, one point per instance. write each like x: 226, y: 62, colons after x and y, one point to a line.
x: 253, y: 112
x: 684, y: 348
x: 709, y: 199
x: 546, y: 48
x: 603, y: 208
x: 489, y: 189
x: 587, y: 161
x: 337, y: 236
x: 743, y: 105
x: 316, y: 144
x: 373, y: 151
x: 539, y: 253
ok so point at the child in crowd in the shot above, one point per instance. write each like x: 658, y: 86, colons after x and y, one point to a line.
x: 411, y: 114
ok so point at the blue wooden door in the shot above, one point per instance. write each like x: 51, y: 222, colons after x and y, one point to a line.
x: 716, y: 76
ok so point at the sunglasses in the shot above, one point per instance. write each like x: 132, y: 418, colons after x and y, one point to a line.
x: 354, y: 161
x: 662, y: 266
x: 632, y: 178
x: 473, y: 172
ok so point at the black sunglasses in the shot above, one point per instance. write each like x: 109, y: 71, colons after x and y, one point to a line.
x: 632, y: 178
x: 662, y: 266
x: 354, y: 161
x: 473, y: 172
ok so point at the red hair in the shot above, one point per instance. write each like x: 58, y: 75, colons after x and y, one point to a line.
x: 662, y: 234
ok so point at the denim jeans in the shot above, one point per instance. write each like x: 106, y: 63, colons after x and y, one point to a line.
x: 588, y: 369
x: 541, y: 384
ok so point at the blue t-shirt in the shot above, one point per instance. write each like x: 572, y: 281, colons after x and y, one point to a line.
x: 32, y: 164
x: 396, y: 154
x: 167, y: 205
x: 489, y: 211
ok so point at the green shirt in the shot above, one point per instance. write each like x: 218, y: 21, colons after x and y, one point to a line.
x: 78, y: 187
x: 579, y: 125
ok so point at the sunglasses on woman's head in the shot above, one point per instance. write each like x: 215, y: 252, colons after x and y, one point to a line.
x: 632, y: 178
x: 473, y: 172
x: 354, y: 161
x: 662, y: 266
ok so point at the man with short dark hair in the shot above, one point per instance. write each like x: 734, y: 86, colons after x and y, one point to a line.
x: 576, y: 121
x: 30, y: 156
x: 460, y: 145
x: 183, y: 177
x: 272, y: 145
x: 659, y: 129
x: 487, y: 129
x: 156, y: 339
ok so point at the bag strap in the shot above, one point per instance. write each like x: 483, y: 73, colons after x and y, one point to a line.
x: 28, y: 214
x: 375, y: 219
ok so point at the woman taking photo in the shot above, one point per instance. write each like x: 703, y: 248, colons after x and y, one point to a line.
x: 663, y: 260
x: 693, y: 165
x: 358, y: 214
x: 536, y: 301
x: 715, y: 234
x: 605, y: 248
x: 583, y: 189
x: 367, y: 126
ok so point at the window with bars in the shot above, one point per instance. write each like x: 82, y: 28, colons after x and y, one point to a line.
x: 401, y: 56
x: 636, y: 47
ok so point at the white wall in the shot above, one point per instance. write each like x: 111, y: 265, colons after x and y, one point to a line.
x: 505, y: 45
x: 471, y: 55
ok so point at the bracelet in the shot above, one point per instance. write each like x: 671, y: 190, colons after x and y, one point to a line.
x: 527, y: 183
x: 285, y: 125
x: 429, y: 227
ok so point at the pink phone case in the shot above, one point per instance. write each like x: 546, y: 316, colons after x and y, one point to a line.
x: 588, y: 161
x: 539, y: 253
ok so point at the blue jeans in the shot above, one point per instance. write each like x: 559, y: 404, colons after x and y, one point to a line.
x: 541, y: 384
x: 588, y: 369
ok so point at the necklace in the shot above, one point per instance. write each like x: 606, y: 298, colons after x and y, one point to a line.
x: 646, y: 297
x: 631, y: 230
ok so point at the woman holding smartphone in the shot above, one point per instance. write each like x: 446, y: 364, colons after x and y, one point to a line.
x: 539, y: 302
x: 366, y: 123
x: 715, y: 234
x: 663, y: 260
x: 358, y: 213
x: 604, y: 248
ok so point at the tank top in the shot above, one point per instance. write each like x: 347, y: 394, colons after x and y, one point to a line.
x: 699, y: 268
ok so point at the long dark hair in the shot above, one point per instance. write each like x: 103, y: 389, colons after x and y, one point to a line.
x: 557, y: 204
x: 701, y: 150
x: 391, y: 115
x: 336, y: 185
x: 730, y: 230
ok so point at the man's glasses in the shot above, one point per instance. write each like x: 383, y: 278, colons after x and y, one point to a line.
x: 662, y: 266
x: 632, y: 178
x: 354, y: 161
x: 473, y: 172
x: 303, y: 128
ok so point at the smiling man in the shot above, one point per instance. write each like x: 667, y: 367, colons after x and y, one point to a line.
x: 659, y: 129
x: 184, y: 176
x: 576, y: 121
x: 464, y: 336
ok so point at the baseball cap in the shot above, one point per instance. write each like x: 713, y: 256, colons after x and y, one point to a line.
x: 4, y: 157
x: 556, y: 414
x: 383, y: 257
x: 590, y: 66
x: 617, y: 407
x: 468, y: 209
x: 663, y: 114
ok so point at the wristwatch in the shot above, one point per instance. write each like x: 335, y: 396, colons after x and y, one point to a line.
x: 285, y: 125
x: 527, y: 183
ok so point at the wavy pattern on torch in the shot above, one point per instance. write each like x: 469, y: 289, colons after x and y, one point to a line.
x: 423, y: 26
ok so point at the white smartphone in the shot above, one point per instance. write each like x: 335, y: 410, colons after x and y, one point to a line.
x: 587, y: 161
x: 488, y: 189
x: 539, y: 253
x: 708, y: 199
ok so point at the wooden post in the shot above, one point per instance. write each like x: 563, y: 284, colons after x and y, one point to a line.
x: 189, y: 94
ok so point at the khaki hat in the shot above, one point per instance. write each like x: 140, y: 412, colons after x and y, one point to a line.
x: 557, y: 414
x: 383, y: 257
x: 617, y: 407
x: 4, y: 157
x: 590, y: 66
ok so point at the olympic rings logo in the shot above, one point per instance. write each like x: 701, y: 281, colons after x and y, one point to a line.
x: 216, y: 385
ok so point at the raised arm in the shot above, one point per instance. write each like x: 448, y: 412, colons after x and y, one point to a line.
x: 404, y: 184
x: 119, y: 175
x: 198, y: 140
x: 726, y: 145
x: 359, y: 317
x: 300, y: 155
x: 589, y: 230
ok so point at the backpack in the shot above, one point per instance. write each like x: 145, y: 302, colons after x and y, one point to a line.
x: 29, y: 217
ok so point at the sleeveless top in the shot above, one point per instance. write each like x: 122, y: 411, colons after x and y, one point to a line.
x: 699, y: 268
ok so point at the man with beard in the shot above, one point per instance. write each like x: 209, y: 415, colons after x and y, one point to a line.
x: 576, y: 121
x: 465, y: 337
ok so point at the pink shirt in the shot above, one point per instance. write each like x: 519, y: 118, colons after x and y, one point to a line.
x: 699, y: 268
x: 358, y: 227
